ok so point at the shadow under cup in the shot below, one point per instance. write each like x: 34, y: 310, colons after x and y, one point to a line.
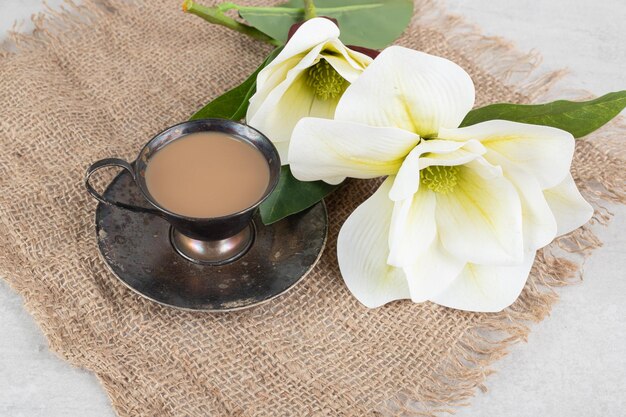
x: 215, y: 240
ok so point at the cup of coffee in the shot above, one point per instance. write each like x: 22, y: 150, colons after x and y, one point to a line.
x: 206, y: 178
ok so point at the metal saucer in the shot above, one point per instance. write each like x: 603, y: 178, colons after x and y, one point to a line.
x: 138, y: 250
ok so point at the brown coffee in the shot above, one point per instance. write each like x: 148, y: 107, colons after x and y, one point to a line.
x: 207, y: 174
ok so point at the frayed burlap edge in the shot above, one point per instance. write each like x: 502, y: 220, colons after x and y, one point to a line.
x: 469, y: 361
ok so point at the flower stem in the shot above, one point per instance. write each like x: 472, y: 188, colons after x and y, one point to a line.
x: 216, y: 16
x: 309, y: 10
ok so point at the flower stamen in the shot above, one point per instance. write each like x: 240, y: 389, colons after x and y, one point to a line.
x: 325, y: 80
x: 440, y: 179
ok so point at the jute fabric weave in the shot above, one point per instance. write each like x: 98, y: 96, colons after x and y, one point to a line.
x: 99, y: 80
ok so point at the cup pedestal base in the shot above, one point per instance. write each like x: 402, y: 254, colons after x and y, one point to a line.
x: 213, y: 252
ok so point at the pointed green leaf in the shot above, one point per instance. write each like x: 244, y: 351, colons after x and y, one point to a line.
x: 369, y: 23
x: 577, y: 117
x: 233, y: 104
x: 292, y: 196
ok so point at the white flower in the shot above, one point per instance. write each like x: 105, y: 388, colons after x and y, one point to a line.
x: 307, y: 78
x: 463, y: 210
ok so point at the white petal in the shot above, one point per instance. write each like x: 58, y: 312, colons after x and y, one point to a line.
x: 362, y: 252
x: 324, y: 109
x: 411, y: 90
x: 569, y: 207
x: 277, y: 77
x: 545, y: 151
x: 427, y: 153
x: 538, y: 223
x: 283, y: 96
x: 480, y: 221
x: 348, y: 63
x: 312, y: 33
x: 432, y: 272
x: 283, y: 151
x: 486, y: 288
x: 277, y: 114
x: 331, y: 150
x: 413, y: 227
x: 342, y: 67
x: 270, y: 78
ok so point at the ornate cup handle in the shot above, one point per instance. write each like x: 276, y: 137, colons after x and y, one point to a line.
x: 115, y: 162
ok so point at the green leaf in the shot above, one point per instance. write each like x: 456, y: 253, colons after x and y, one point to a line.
x: 292, y: 196
x: 369, y: 23
x: 233, y: 104
x: 577, y: 117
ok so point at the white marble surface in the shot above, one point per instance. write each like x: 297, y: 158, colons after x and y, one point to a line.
x: 574, y: 364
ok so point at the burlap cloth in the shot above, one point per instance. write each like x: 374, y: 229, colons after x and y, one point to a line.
x: 98, y: 81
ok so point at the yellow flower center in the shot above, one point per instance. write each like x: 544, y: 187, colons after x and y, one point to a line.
x: 326, y: 81
x: 440, y: 179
